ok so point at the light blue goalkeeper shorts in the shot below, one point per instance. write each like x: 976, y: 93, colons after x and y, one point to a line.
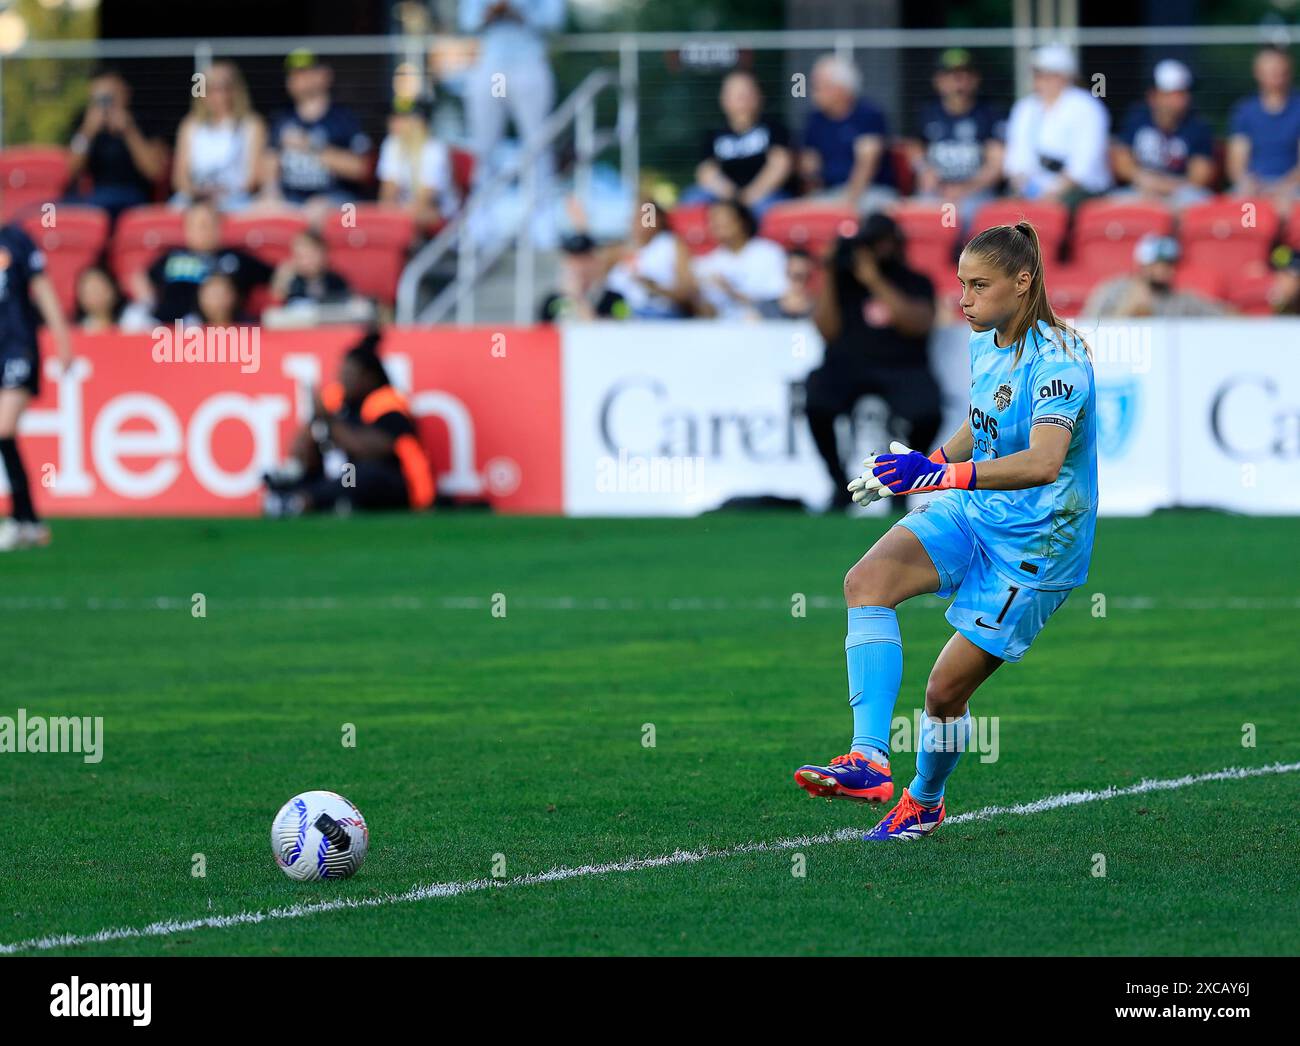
x: 997, y: 614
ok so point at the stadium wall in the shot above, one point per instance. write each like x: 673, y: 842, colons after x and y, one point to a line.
x: 635, y: 419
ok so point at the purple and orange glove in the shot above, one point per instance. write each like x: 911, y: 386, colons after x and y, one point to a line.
x: 905, y: 471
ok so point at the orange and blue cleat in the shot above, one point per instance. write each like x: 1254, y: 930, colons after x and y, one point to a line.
x: 908, y: 820
x: 851, y: 776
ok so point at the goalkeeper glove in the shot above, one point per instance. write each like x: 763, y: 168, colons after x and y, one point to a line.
x: 867, y: 488
x: 906, y: 471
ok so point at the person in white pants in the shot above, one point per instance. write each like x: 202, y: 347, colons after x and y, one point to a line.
x: 512, y: 76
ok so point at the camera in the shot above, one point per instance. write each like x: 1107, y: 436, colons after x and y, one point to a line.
x: 845, y: 248
x: 874, y: 230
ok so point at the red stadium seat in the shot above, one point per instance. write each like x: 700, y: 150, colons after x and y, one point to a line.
x: 30, y: 176
x: 904, y: 172
x: 73, y: 242
x: 1050, y: 219
x: 691, y: 223
x: 808, y: 226
x: 370, y: 251
x: 931, y: 241
x: 266, y: 236
x: 1247, y: 291
x: 1068, y: 287
x: 142, y: 234
x: 1105, y: 232
x: 1223, y: 235
x: 1206, y: 282
x: 258, y: 300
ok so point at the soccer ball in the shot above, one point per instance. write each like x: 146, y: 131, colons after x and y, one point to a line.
x: 319, y: 835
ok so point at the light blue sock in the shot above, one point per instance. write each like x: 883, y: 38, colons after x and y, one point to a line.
x: 874, y: 651
x: 942, y: 743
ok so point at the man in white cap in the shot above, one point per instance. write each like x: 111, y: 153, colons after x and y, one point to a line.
x: 1164, y: 150
x: 1056, y: 136
x: 1149, y: 291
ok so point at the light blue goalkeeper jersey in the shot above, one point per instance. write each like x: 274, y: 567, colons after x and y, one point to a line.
x: 1041, y: 537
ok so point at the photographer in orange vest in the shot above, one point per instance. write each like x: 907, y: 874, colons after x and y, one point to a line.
x: 360, y: 450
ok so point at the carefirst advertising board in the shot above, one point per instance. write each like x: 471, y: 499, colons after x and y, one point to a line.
x: 669, y: 418
x: 674, y: 419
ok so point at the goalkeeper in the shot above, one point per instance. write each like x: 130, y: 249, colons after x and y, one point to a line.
x: 1009, y: 535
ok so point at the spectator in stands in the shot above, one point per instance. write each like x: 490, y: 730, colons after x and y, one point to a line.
x: 844, y: 155
x: 582, y: 294
x: 748, y: 160
x: 875, y: 315
x: 1264, y: 132
x: 958, y: 157
x: 652, y: 271
x: 220, y: 144
x: 1149, y: 291
x: 318, y: 152
x: 1056, y: 136
x: 1164, y: 150
x: 797, y: 301
x: 744, y: 275
x: 512, y: 77
x: 171, y: 285
x: 305, y: 276
x: 121, y: 159
x: 360, y: 451
x: 220, y: 303
x: 414, y: 167
x: 99, y: 302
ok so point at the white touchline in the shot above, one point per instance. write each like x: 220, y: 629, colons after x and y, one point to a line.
x: 432, y: 891
x: 721, y: 604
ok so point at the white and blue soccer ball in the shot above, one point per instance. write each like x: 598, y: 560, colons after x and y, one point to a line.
x: 319, y: 835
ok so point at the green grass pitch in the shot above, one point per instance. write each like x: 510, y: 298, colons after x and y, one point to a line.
x: 518, y: 740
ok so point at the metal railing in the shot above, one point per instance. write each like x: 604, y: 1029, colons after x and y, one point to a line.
x: 578, y: 110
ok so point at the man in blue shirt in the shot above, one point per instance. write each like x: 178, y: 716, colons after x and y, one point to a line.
x: 319, y: 150
x: 958, y: 153
x: 845, y: 154
x: 1164, y: 150
x: 1264, y: 142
